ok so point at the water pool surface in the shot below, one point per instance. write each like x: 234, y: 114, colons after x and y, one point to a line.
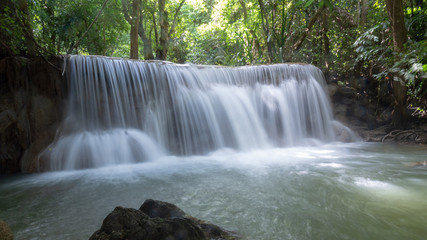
x: 334, y: 191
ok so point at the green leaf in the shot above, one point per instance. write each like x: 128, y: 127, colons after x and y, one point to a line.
x: 326, y: 3
x: 300, y: 2
x: 308, y: 3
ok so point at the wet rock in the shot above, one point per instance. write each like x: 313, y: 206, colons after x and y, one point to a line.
x: 157, y: 220
x: 5, y: 231
x: 161, y: 209
x: 31, y: 160
x: 31, y: 104
x: 332, y: 89
x: 348, y: 92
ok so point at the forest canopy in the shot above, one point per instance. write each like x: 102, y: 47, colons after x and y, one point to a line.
x: 361, y: 37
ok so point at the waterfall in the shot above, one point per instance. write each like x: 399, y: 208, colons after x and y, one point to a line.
x: 125, y: 111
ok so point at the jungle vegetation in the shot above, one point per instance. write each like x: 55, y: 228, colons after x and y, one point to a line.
x: 381, y: 41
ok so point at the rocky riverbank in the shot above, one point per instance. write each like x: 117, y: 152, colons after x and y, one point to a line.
x: 414, y: 135
x: 156, y: 220
x: 369, y: 113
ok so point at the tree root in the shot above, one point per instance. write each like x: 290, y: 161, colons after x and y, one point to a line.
x: 404, y: 135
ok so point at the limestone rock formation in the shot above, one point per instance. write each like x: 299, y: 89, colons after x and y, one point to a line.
x: 157, y: 220
x: 31, y: 97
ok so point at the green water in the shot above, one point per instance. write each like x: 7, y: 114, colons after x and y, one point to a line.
x: 336, y: 191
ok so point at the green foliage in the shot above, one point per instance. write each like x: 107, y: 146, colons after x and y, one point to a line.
x: 416, y: 21
x: 337, y: 36
x: 11, y: 32
x: 57, y: 25
x: 372, y: 50
x: 413, y: 67
x: 408, y: 67
x: 237, y: 32
x: 74, y: 17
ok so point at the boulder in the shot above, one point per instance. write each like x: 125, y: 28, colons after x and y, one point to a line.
x: 159, y: 209
x: 157, y: 220
x: 5, y: 231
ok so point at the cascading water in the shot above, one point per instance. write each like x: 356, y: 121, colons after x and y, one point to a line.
x: 125, y: 111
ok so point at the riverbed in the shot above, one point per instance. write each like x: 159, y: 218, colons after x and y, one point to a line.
x: 333, y: 191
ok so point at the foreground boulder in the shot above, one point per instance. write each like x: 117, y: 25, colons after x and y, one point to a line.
x: 157, y: 220
x: 5, y: 231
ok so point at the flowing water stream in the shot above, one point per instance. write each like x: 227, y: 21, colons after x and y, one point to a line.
x: 332, y: 191
x: 251, y: 149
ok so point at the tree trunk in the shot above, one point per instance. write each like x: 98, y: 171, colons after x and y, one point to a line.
x: 325, y: 29
x: 164, y: 29
x: 245, y: 11
x: 25, y: 18
x: 363, y: 13
x: 133, y: 21
x: 255, y: 47
x: 148, y: 47
x: 134, y: 29
x: 51, y: 23
x: 397, y: 22
x: 267, y: 31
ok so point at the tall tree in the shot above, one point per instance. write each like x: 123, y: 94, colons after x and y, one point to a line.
x: 24, y: 18
x: 166, y: 30
x: 326, y: 45
x: 162, y: 48
x: 267, y: 30
x: 146, y: 41
x: 363, y: 12
x: 397, y: 22
x: 132, y: 16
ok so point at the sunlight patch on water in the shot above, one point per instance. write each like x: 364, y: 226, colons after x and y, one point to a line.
x: 369, y: 183
x: 394, y: 203
x: 388, y: 194
x: 332, y: 165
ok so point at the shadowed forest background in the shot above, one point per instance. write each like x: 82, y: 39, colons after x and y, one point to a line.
x: 377, y: 48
